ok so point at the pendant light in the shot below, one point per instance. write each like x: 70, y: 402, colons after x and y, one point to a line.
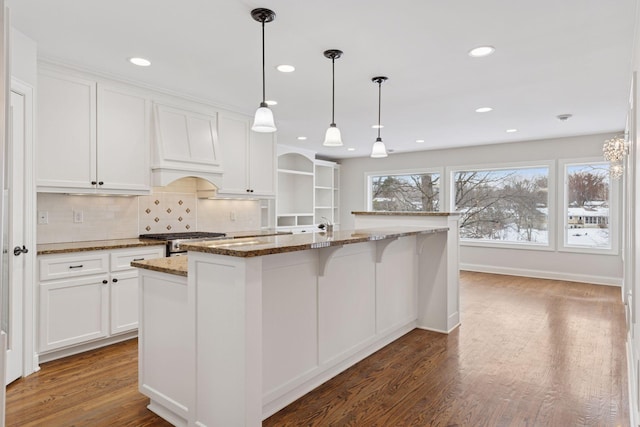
x: 379, y: 150
x: 263, y: 120
x: 333, y: 138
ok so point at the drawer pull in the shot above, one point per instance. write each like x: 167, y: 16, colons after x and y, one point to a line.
x: 104, y: 282
x: 138, y: 259
x: 76, y: 266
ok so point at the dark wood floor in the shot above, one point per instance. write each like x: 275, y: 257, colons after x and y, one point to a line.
x: 529, y: 353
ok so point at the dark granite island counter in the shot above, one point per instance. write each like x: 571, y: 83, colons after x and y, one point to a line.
x: 259, y: 322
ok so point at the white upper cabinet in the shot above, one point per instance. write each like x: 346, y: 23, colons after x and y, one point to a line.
x: 186, y: 143
x: 66, y: 148
x: 92, y: 138
x: 123, y: 140
x: 250, y: 157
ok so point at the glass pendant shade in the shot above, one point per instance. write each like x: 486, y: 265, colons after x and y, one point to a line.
x: 263, y: 120
x: 378, y: 150
x: 332, y: 138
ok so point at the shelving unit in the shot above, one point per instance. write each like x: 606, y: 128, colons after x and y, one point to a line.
x: 295, y: 192
x: 307, y: 192
x: 326, y: 190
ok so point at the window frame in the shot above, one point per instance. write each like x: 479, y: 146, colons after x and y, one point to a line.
x: 552, y: 211
x: 370, y: 174
x: 614, y: 210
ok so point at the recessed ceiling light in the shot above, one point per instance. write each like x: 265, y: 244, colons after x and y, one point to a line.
x: 351, y: 149
x: 140, y: 62
x: 284, y: 68
x: 480, y: 51
x: 483, y: 109
x: 302, y: 138
x: 419, y: 141
x: 271, y: 102
x: 377, y: 126
x: 512, y: 130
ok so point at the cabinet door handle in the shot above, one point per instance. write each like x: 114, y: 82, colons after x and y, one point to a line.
x: 104, y: 282
x: 138, y: 259
x: 93, y: 182
x: 76, y: 266
x: 115, y: 280
x: 100, y: 183
x: 252, y: 191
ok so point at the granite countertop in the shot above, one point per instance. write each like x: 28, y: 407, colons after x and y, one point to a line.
x: 269, y: 245
x: 95, y: 245
x: 174, y: 265
x: 405, y: 213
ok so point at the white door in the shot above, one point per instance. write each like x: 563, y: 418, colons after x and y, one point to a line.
x: 14, y: 208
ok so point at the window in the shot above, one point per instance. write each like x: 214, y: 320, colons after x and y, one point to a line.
x: 503, y: 205
x: 587, y: 205
x: 406, y: 191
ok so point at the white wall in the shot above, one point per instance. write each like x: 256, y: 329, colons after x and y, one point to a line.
x: 593, y: 268
x: 23, y: 58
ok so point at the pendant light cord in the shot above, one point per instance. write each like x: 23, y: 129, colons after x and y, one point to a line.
x: 263, y: 65
x: 379, y: 104
x: 333, y: 90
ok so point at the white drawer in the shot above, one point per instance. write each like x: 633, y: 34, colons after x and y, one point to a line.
x: 61, y: 266
x: 121, y: 259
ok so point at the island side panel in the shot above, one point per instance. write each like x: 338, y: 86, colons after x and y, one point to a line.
x: 227, y: 295
x: 336, y: 296
x: 346, y: 302
x: 447, y: 275
x: 289, y: 321
x: 166, y: 345
x: 396, y: 284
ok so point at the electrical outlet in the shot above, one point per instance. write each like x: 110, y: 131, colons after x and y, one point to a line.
x: 43, y: 217
x: 78, y: 216
x: 232, y: 215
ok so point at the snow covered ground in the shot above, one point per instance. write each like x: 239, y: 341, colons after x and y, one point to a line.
x: 581, y: 237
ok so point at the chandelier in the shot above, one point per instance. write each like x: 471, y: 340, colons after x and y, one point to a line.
x: 614, y: 150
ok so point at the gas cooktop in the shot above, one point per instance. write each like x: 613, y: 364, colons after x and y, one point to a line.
x: 182, y: 235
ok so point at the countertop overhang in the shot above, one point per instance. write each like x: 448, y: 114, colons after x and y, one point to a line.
x: 269, y: 245
x: 404, y: 213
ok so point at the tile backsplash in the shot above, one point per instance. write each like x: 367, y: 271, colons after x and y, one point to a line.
x: 167, y: 212
x: 173, y: 208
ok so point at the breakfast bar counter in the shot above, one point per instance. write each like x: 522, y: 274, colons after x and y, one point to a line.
x: 258, y: 322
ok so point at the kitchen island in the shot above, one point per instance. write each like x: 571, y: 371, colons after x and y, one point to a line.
x: 258, y: 322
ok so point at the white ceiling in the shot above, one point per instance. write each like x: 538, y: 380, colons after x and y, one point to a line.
x: 552, y: 57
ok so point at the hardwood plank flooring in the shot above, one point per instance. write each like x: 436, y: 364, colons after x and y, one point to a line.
x: 96, y: 388
x: 529, y: 353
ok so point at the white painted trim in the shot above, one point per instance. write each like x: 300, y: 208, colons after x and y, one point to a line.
x: 29, y: 363
x: 615, y: 217
x: 631, y: 378
x: 413, y: 171
x: 75, y: 349
x: 552, y: 207
x: 541, y: 274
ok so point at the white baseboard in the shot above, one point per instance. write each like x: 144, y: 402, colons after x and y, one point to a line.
x: 631, y: 380
x: 70, y: 351
x: 541, y: 274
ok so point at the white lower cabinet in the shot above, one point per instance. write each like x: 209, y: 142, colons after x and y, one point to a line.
x: 73, y: 311
x: 88, y: 296
x: 124, y: 302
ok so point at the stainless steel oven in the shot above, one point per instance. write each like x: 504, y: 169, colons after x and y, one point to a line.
x: 174, y: 240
